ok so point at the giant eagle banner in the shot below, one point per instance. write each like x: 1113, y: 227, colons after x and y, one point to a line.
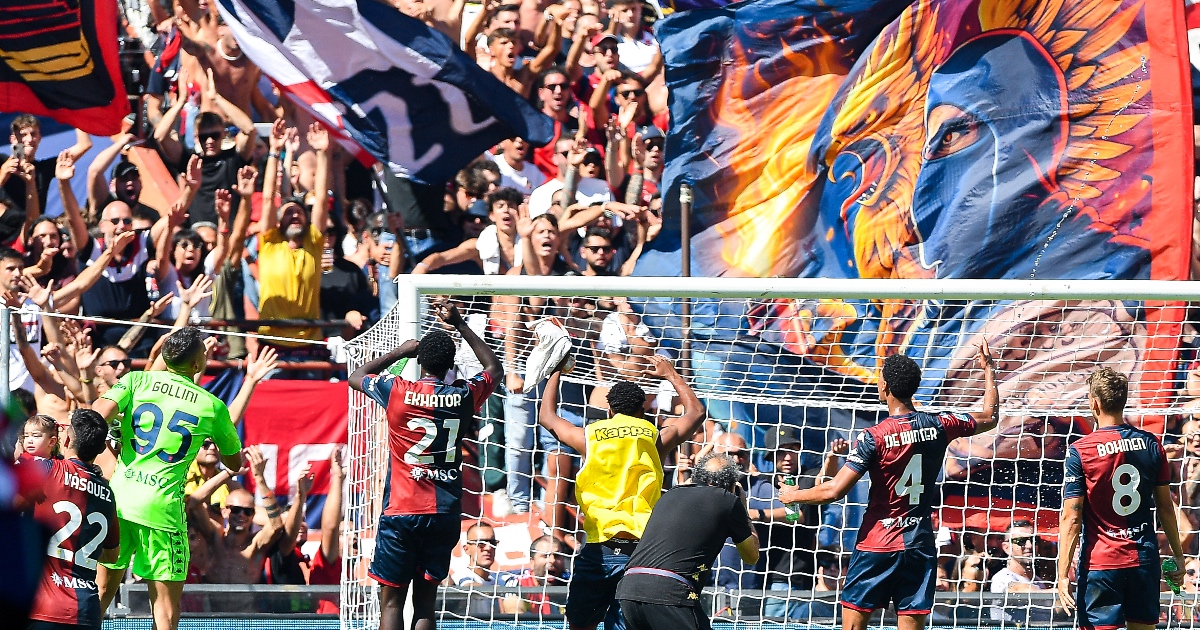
x: 1027, y: 139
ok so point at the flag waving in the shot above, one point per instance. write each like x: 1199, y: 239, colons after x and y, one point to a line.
x: 401, y: 91
x: 59, y: 59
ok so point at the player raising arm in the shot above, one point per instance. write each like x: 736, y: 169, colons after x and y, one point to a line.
x: 895, y: 556
x: 619, y: 484
x: 1115, y: 478
x: 164, y: 419
x: 423, y: 500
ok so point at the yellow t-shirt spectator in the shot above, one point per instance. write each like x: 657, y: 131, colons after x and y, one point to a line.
x: 195, y: 479
x: 289, y: 282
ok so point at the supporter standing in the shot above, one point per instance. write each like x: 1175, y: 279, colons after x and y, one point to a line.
x: 1117, y: 478
x: 689, y: 525
x: 895, y: 557
x: 290, y: 248
x: 423, y: 499
x: 1018, y: 576
x: 152, y: 466
x: 237, y: 550
x: 618, y: 486
x: 515, y: 171
x: 26, y: 137
x: 73, y: 498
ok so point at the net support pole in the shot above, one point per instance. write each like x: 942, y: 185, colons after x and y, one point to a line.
x: 6, y: 345
x: 408, y: 307
x: 685, y: 268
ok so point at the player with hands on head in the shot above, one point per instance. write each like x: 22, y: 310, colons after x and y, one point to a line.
x: 427, y: 420
x: 1117, y: 477
x: 894, y: 559
x: 164, y: 418
x: 618, y: 485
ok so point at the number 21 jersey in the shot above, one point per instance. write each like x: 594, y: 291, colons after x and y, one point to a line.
x: 426, y: 422
x: 1116, y: 469
x: 164, y: 420
x: 904, y: 456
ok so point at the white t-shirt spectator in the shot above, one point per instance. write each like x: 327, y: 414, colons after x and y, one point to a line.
x: 488, y: 246
x: 18, y: 374
x: 524, y: 180
x: 590, y: 191
x: 481, y: 604
x: 1014, y: 613
x: 636, y: 54
x: 613, y: 339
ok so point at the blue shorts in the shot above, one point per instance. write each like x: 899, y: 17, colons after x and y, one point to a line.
x: 414, y: 546
x: 549, y: 443
x: 1110, y: 598
x: 907, y: 578
x: 594, y: 577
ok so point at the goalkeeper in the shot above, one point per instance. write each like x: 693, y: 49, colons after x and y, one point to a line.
x: 164, y: 418
x: 617, y: 487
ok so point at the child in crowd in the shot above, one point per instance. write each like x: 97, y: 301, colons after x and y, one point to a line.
x: 39, y: 437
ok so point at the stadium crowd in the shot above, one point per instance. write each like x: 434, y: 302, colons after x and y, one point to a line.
x: 274, y: 220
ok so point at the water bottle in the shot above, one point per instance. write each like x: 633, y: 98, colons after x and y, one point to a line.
x: 792, y: 509
x: 1170, y: 566
x: 397, y: 368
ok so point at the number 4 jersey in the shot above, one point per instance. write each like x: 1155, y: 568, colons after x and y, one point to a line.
x: 904, y: 456
x: 426, y: 421
x: 164, y: 420
x: 74, y: 504
x: 1116, y: 469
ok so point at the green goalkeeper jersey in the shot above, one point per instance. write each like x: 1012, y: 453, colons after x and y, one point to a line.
x: 164, y: 419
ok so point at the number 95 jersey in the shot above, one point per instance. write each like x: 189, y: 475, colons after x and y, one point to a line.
x: 165, y: 418
x: 1116, y: 470
x: 426, y: 421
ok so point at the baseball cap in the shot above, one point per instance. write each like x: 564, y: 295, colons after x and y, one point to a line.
x: 599, y: 37
x: 782, y: 435
x: 650, y: 132
x: 478, y: 208
x: 125, y: 169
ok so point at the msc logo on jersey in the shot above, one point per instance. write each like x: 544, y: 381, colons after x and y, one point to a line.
x: 434, y: 474
x: 901, y: 523
x: 69, y: 581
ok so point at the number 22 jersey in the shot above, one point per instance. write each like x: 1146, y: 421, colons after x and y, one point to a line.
x: 426, y: 421
x: 904, y: 456
x: 1116, y: 469
x: 164, y: 420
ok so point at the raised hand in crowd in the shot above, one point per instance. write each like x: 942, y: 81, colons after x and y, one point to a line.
x: 246, y: 178
x: 318, y: 137
x: 10, y: 167
x: 260, y: 363
x: 64, y: 168
x: 193, y: 295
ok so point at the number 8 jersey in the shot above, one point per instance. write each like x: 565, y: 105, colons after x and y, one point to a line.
x: 426, y: 422
x: 164, y: 420
x: 1116, y: 469
x: 904, y: 456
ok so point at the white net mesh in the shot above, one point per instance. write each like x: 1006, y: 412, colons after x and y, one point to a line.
x: 758, y: 364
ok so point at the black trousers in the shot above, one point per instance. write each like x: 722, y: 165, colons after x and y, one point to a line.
x: 643, y: 616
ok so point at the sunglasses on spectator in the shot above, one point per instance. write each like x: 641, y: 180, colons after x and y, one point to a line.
x: 116, y: 362
x: 234, y: 510
x: 1021, y: 541
x: 207, y: 444
x: 120, y: 220
x: 596, y: 249
x: 631, y: 93
x: 739, y: 453
x: 209, y: 135
x: 1191, y: 572
x: 554, y: 87
x: 490, y: 542
x: 603, y: 48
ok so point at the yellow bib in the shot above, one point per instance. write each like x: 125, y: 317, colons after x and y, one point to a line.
x: 621, y: 479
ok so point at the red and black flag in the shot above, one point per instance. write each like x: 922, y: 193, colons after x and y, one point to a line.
x: 58, y: 58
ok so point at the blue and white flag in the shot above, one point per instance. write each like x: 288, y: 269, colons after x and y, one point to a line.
x: 392, y: 88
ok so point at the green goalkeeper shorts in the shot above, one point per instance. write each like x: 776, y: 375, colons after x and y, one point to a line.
x: 156, y: 554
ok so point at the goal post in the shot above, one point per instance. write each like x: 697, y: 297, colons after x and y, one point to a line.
x: 766, y: 352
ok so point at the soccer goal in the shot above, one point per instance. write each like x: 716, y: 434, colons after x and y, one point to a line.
x: 769, y: 353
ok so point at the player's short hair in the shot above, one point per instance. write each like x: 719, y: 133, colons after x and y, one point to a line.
x: 435, y: 352
x: 501, y: 33
x: 90, y: 431
x: 8, y: 253
x: 1110, y: 388
x: 558, y: 544
x: 717, y: 470
x: 182, y: 346
x: 902, y: 375
x: 627, y: 398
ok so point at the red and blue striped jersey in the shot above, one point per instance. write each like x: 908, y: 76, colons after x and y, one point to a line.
x: 1115, y: 470
x: 74, y: 504
x: 426, y: 422
x: 904, y: 456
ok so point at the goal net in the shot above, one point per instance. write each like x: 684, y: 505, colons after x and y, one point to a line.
x: 795, y: 358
